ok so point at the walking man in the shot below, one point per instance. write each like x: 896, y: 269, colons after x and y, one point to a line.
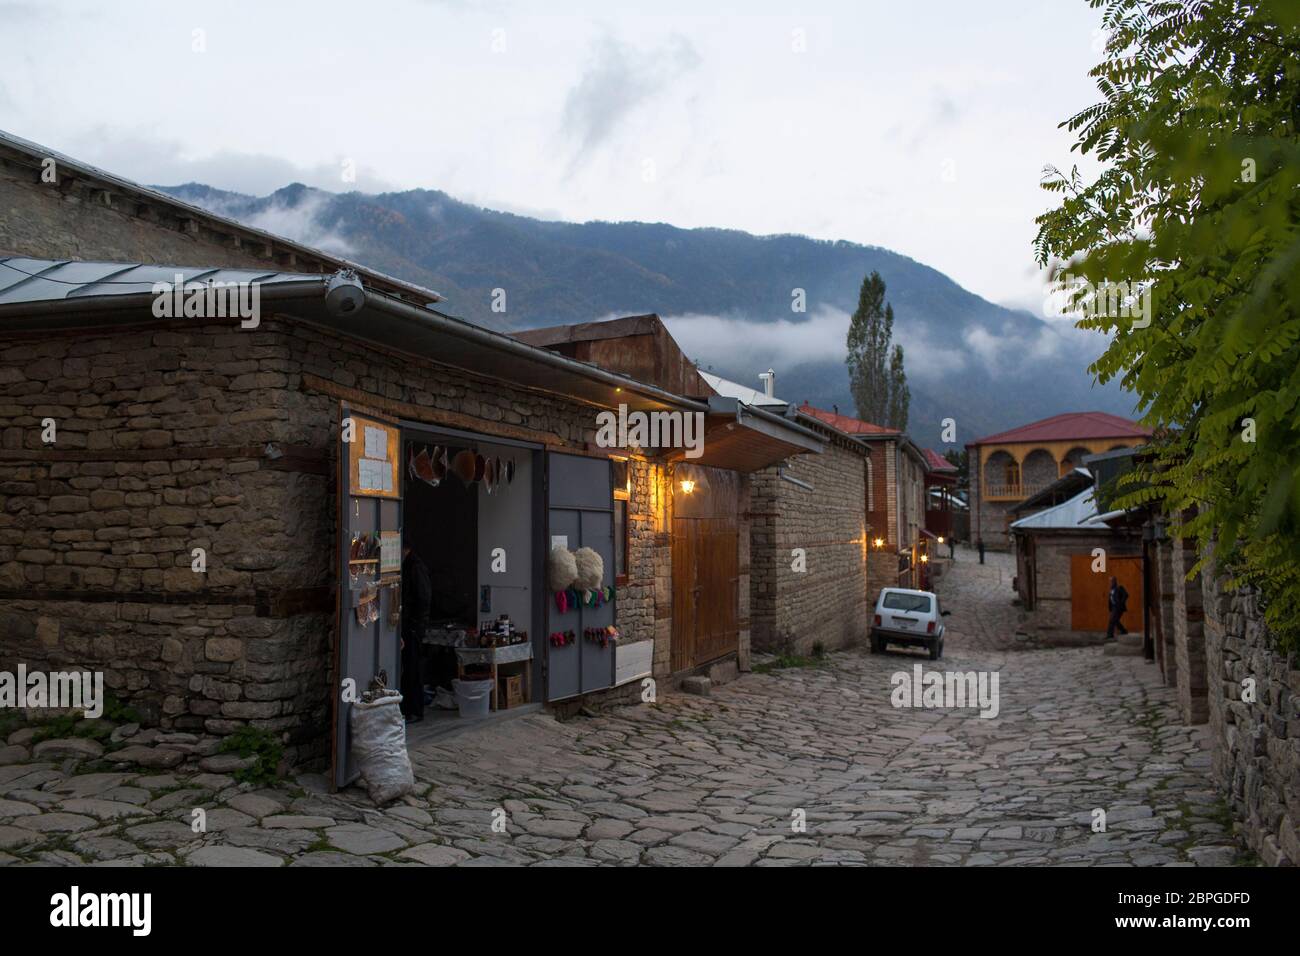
x: 1117, y: 601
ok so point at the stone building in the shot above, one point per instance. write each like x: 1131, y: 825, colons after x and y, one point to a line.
x: 896, y: 480
x: 177, y: 499
x: 728, y: 509
x: 1012, y: 466
x: 1066, y: 552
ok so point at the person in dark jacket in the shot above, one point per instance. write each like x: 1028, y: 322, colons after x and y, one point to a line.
x: 417, y: 598
x: 1117, y: 602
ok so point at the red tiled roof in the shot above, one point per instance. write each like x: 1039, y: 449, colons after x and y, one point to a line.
x: 850, y: 426
x: 1071, y: 426
x: 936, y: 462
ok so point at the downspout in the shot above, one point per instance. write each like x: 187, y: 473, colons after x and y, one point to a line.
x: 780, y: 473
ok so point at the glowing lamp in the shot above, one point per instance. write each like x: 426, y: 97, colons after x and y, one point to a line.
x: 688, y: 486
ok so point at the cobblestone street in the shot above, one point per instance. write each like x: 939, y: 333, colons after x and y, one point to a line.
x: 717, y: 780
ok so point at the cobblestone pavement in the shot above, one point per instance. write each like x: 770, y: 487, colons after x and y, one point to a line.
x: 718, y: 780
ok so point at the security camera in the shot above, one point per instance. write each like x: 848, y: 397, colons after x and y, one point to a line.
x: 344, y: 294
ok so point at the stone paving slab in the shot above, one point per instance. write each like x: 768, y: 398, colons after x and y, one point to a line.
x: 802, y: 766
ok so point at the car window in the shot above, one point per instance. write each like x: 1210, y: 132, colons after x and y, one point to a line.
x: 898, y: 601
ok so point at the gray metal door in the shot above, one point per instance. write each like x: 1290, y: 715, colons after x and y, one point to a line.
x: 367, y: 641
x: 580, y: 513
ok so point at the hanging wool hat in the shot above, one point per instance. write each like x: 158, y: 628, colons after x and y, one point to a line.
x: 562, y: 568
x: 591, y: 569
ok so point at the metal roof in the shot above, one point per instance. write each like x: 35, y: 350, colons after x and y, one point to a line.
x: 1077, y: 514
x: 750, y: 396
x: 105, y: 295
x: 24, y: 280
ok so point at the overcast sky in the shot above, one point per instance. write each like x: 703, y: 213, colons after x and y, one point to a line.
x: 920, y: 127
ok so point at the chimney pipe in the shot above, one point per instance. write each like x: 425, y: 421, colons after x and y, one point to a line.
x: 769, y: 382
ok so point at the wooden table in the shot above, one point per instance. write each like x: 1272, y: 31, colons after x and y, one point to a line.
x: 494, y: 657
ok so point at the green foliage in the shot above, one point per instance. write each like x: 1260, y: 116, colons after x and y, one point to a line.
x: 1197, y: 200
x: 262, y: 744
x: 876, y: 376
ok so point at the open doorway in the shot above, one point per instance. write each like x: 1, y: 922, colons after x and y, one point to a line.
x: 468, y: 520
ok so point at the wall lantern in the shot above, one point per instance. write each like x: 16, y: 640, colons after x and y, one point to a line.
x: 879, y: 542
x: 941, y: 539
x: 925, y: 558
x: 688, y: 486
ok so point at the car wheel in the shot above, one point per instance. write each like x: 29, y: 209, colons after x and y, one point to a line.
x: 876, y: 646
x: 936, y: 649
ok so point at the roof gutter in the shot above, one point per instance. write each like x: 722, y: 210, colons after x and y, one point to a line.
x: 720, y: 403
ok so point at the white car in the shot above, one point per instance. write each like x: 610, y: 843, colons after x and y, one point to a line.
x: 908, y: 617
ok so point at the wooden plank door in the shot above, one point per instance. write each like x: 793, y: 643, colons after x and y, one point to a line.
x: 684, y: 592
x: 706, y: 595
x: 1089, y: 592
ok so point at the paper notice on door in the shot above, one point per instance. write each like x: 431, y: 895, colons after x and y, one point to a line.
x: 376, y: 443
x: 374, y: 475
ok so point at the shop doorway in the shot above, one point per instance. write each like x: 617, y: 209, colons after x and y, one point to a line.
x: 471, y: 510
x: 470, y: 519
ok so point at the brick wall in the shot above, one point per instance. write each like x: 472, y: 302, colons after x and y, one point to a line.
x: 791, y: 610
x: 1255, y: 745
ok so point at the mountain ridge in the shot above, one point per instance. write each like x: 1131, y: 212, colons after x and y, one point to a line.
x: 725, y: 293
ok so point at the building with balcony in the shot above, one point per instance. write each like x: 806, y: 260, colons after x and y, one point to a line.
x: 1011, y: 466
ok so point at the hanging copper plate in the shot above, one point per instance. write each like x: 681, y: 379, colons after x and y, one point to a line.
x: 423, y: 466
x: 462, y: 466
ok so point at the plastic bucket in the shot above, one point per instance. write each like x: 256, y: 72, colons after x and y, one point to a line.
x: 473, y: 697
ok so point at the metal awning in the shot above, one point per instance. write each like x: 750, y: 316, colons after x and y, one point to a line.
x: 745, y: 438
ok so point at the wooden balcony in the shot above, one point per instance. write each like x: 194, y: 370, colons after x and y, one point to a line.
x: 1017, y: 492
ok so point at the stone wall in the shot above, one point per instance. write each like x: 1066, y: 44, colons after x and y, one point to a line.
x: 827, y: 603
x: 1256, y: 744
x: 161, y: 448
x: 1164, y: 581
x: 642, y: 613
x: 1189, y: 637
x: 157, y: 452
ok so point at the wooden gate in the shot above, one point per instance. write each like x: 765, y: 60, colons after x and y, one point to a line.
x: 706, y: 571
x: 1089, y: 590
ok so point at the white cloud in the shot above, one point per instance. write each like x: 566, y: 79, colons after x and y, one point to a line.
x: 301, y: 222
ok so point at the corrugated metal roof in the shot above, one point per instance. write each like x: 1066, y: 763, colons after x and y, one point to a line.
x: 750, y: 396
x: 1076, y: 514
x: 1071, y: 426
x: 43, y: 280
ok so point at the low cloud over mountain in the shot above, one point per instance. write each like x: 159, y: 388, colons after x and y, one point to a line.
x: 725, y: 294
